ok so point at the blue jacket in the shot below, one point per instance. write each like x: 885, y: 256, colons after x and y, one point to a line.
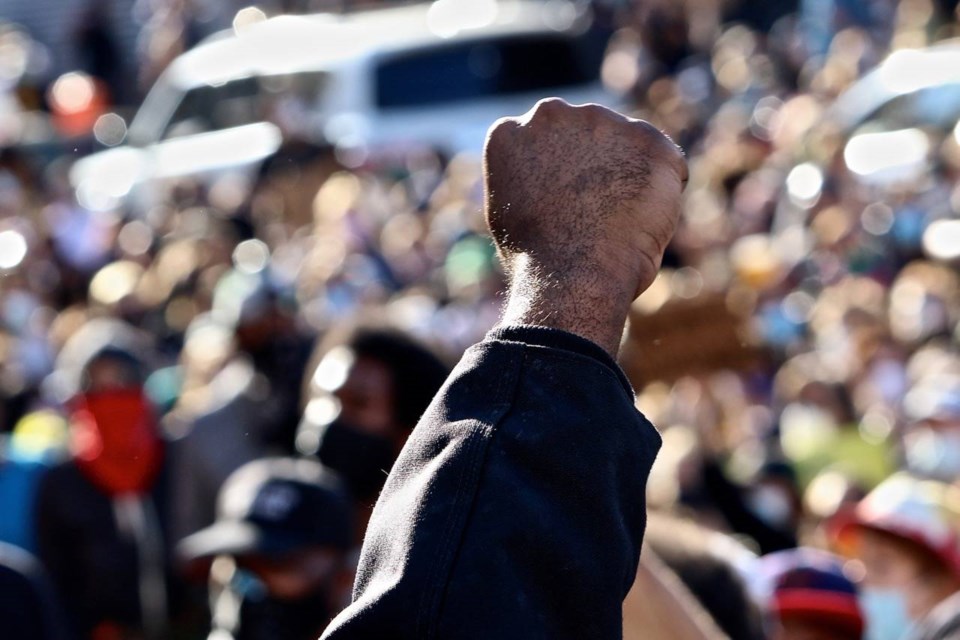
x: 516, y: 509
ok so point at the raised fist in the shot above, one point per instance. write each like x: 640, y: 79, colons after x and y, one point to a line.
x: 583, y: 192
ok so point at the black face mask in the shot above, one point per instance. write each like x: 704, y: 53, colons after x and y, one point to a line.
x: 362, y: 459
x: 271, y: 619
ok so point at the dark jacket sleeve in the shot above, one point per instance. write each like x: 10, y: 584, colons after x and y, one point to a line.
x: 516, y: 509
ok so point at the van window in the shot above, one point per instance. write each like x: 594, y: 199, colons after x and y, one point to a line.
x: 938, y: 106
x: 470, y: 70
x: 242, y: 101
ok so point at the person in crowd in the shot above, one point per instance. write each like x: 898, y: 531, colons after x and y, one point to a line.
x: 256, y: 408
x: 711, y: 565
x: 100, y: 522
x: 906, y: 532
x: 28, y: 604
x: 266, y: 335
x: 659, y: 606
x: 278, y: 551
x: 847, y: 284
x: 932, y: 439
x: 812, y: 597
x: 516, y: 507
x: 368, y: 389
x: 767, y: 511
x: 36, y: 442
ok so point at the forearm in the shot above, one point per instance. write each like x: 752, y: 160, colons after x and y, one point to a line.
x: 516, y: 509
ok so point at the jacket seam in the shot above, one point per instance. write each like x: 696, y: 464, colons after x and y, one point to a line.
x: 432, y: 607
x: 577, y: 358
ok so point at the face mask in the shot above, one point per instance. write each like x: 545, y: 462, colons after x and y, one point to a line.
x: 885, y: 614
x: 934, y: 453
x: 272, y: 619
x: 113, y: 440
x: 771, y: 505
x: 362, y: 459
x: 244, y: 610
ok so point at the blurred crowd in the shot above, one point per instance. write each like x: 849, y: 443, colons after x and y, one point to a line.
x: 186, y: 389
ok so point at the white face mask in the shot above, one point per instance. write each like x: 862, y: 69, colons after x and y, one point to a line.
x: 772, y: 505
x: 934, y: 453
x: 885, y: 614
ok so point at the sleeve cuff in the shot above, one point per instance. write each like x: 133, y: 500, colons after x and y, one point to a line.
x: 558, y: 339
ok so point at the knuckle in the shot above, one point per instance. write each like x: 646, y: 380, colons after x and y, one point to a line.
x: 598, y: 111
x: 648, y: 131
x: 500, y: 129
x: 550, y: 107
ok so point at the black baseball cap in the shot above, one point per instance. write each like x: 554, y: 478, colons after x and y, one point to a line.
x: 275, y: 506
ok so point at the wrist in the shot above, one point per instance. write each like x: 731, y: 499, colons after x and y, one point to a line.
x: 585, y: 302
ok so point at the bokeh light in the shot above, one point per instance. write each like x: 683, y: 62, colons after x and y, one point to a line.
x: 247, y: 17
x: 14, y: 53
x: 941, y: 240
x: 874, y: 153
x: 13, y: 249
x: 135, y: 238
x: 110, y: 129
x: 72, y: 92
x: 115, y: 282
x: 251, y: 256
x: 804, y: 183
x: 446, y: 18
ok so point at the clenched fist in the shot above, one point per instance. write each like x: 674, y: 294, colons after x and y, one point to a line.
x: 581, y: 202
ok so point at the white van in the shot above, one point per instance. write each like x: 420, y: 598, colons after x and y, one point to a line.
x: 435, y: 74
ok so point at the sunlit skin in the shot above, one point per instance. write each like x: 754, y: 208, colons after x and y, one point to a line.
x: 366, y: 397
x: 108, y: 374
x: 298, y: 574
x: 893, y: 563
x: 802, y: 629
x: 580, y: 240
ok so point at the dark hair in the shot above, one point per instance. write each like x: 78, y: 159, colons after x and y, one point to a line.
x: 685, y: 547
x: 416, y: 371
x: 104, y: 339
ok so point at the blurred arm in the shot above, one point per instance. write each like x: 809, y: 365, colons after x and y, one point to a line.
x: 660, y: 607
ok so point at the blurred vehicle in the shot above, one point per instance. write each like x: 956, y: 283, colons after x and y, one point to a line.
x: 435, y: 74
x: 885, y: 129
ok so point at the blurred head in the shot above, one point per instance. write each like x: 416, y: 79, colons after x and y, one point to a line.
x: 247, y: 303
x: 810, y: 629
x: 932, y: 442
x: 773, y: 496
x: 280, y: 542
x: 113, y: 435
x: 297, y: 574
x: 812, y: 597
x: 910, y: 568
x: 366, y: 393
x: 905, y: 533
x: 712, y: 566
x: 286, y: 520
